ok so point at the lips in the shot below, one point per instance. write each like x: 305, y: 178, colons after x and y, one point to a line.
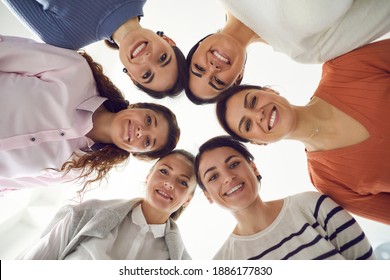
x: 138, y: 49
x: 129, y: 131
x: 164, y: 195
x: 221, y: 57
x: 273, y: 118
x: 234, y: 190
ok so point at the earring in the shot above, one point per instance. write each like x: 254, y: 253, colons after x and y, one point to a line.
x: 160, y: 33
x: 124, y: 70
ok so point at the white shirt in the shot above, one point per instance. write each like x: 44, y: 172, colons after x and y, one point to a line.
x: 47, y: 98
x: 313, y: 31
x: 133, y: 239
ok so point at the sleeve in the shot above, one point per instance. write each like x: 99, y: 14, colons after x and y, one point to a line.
x: 40, y: 20
x: 52, y: 244
x: 27, y: 57
x: 362, y: 24
x: 342, y: 230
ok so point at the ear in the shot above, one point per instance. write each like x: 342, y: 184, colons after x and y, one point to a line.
x: 254, y: 167
x: 207, y: 195
x: 256, y: 143
x: 240, y: 77
x: 185, y: 204
x: 169, y: 40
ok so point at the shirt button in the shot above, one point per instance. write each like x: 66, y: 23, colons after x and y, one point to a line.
x: 32, y: 139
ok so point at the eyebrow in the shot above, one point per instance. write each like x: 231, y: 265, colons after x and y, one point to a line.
x: 196, y: 74
x: 245, y: 106
x: 215, y: 87
x: 155, y: 125
x: 213, y: 167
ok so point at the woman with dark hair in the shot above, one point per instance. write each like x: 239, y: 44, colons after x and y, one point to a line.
x: 137, y: 229
x: 344, y: 127
x: 61, y: 113
x: 303, y: 226
x: 306, y: 31
x: 152, y: 61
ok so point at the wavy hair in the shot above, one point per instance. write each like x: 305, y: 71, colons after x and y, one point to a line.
x: 95, y: 163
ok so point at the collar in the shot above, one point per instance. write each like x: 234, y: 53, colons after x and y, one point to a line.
x: 138, y: 218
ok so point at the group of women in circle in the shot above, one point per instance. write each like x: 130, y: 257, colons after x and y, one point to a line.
x: 73, y: 123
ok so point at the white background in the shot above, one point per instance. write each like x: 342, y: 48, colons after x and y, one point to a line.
x: 204, y: 227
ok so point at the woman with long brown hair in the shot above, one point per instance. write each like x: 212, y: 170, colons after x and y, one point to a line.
x: 61, y: 113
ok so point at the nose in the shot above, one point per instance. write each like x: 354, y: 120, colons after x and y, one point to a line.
x: 139, y: 132
x: 146, y: 57
x: 168, y: 186
x: 228, y: 177
x: 215, y: 65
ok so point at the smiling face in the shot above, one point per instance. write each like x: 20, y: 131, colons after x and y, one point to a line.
x: 215, y: 66
x: 170, y: 183
x: 260, y: 116
x: 139, y: 130
x: 229, y: 179
x: 149, y: 60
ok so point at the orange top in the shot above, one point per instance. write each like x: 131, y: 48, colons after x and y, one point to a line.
x: 358, y: 176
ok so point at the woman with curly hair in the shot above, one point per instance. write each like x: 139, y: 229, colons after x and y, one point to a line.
x: 61, y: 113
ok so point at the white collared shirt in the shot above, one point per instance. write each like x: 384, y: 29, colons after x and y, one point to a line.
x: 133, y: 239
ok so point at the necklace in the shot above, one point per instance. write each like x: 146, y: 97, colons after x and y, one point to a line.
x: 314, y: 133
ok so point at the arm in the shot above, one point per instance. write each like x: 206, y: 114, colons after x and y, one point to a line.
x: 40, y: 20
x: 52, y: 244
x: 371, y: 206
x: 342, y: 230
x: 27, y: 57
x: 364, y: 22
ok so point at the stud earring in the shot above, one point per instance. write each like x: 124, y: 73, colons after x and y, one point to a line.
x: 124, y: 70
x: 160, y: 33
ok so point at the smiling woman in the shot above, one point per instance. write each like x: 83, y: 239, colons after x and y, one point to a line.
x: 72, y: 119
x: 139, y: 229
x: 26, y: 213
x: 153, y: 62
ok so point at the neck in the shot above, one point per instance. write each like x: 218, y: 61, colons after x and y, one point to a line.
x: 101, y: 120
x: 239, y: 31
x: 311, y: 123
x: 153, y: 215
x: 258, y: 216
x: 129, y: 26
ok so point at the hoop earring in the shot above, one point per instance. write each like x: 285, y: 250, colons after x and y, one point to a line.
x: 124, y: 70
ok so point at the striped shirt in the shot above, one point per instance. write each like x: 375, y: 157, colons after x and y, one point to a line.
x: 309, y: 226
x: 73, y: 24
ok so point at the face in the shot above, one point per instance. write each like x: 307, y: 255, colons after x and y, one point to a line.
x: 170, y: 183
x: 230, y: 180
x: 216, y: 65
x: 139, y: 130
x: 261, y: 116
x: 149, y: 59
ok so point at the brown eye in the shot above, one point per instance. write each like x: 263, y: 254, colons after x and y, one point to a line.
x: 199, y: 68
x: 163, y: 57
x: 147, y: 74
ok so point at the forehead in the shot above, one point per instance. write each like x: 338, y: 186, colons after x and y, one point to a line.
x: 178, y: 163
x: 216, y: 157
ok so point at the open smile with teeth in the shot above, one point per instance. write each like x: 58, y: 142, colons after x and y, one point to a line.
x: 138, y: 50
x: 234, y: 189
x: 221, y: 57
x: 164, y: 195
x: 129, y: 131
x: 272, y: 119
